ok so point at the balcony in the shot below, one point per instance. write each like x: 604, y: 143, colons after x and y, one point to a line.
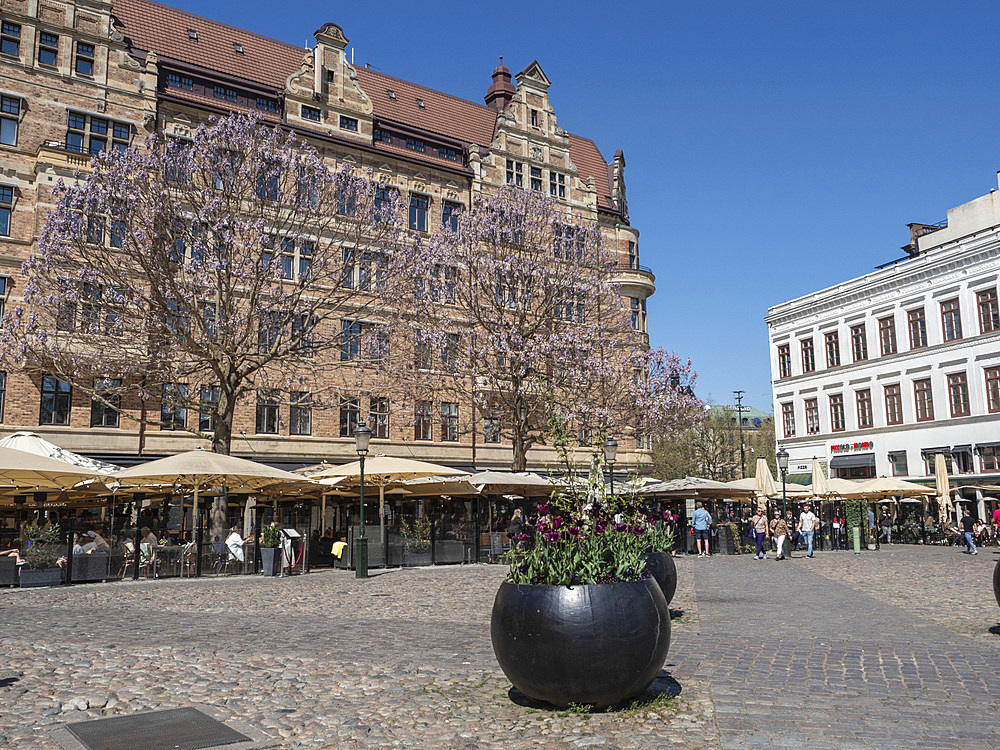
x: 53, y: 156
x: 634, y: 275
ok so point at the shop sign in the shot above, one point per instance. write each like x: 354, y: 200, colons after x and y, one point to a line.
x: 867, y: 445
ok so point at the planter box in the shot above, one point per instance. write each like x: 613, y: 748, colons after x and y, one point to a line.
x: 8, y: 571
x: 40, y: 577
x: 91, y: 567
x: 270, y: 559
x: 727, y: 545
x: 414, y: 559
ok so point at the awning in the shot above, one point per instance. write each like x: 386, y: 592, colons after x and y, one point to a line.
x: 967, y: 448
x: 931, y: 451
x: 980, y: 446
x: 852, y: 462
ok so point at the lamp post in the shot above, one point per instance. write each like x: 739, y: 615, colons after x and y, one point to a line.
x: 782, y: 458
x: 362, y: 434
x: 610, y: 452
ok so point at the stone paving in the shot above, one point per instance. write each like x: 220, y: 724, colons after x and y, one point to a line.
x: 895, y: 649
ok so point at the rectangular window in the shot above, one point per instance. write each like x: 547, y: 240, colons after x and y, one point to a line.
x: 859, y: 343
x: 633, y: 255
x: 812, y: 416
x: 893, y: 404
x: 209, y: 399
x: 808, y: 356
x: 958, y: 394
x: 10, y: 39
x: 106, y: 404
x: 6, y: 208
x: 951, y: 319
x: 173, y: 409
x: 418, y: 212
x: 415, y: 144
x: 422, y: 420
x: 449, y: 421
x: 887, y: 335
x: 267, y: 413
x: 990, y: 458
x: 536, y: 178
x: 310, y: 113
x: 963, y: 461
x: 534, y: 118
x: 379, y: 416
x: 898, y: 463
x: 348, y: 123
x: 924, y: 400
x: 788, y: 419
x: 421, y: 352
x: 382, y: 135
x: 916, y: 320
x: 350, y: 340
x: 86, y: 134
x: 784, y: 361
x: 266, y: 104
x: 300, y: 414
x: 447, y: 153
x: 992, y: 389
x: 350, y: 413
x: 48, y: 49
x: 449, y: 215
x: 515, y: 173
x: 989, y: 311
x: 832, y: 341
x: 176, y: 81
x: 3, y: 393
x: 837, y: 413
x: 57, y: 399
x: 224, y: 92
x: 491, y: 430
x: 84, y: 59
x: 10, y: 113
x: 864, y: 399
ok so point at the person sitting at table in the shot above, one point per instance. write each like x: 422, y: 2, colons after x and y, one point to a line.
x: 234, y: 543
x: 12, y: 552
x: 100, y: 543
x: 148, y: 537
x: 78, y: 543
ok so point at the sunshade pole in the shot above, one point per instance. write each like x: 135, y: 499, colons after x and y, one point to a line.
x: 198, y: 538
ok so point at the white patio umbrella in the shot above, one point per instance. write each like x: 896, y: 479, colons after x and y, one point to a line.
x: 942, y: 485
x: 32, y: 443
x: 820, y: 486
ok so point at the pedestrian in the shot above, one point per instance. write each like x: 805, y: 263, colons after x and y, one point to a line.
x: 968, y: 528
x: 996, y: 523
x: 793, y: 536
x: 807, y: 527
x: 758, y: 527
x: 872, y: 536
x: 779, y: 530
x: 885, y: 521
x: 515, y: 528
x: 702, y: 520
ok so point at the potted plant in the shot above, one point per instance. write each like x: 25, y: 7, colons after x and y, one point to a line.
x: 578, y: 619
x: 270, y: 552
x: 42, y: 561
x: 416, y: 541
x: 659, y: 563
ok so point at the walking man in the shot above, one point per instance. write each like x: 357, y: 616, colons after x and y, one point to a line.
x: 702, y: 520
x: 761, y: 534
x: 807, y: 526
x: 968, y: 529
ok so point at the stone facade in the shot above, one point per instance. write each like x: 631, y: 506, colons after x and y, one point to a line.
x: 124, y: 70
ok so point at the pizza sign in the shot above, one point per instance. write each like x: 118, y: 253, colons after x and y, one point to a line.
x: 867, y: 445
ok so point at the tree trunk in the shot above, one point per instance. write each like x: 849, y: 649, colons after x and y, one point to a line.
x: 222, y: 439
x: 520, y: 446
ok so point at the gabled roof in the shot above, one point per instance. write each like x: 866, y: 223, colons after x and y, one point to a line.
x: 153, y: 27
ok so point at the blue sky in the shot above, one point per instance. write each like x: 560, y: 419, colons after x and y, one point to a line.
x: 773, y: 148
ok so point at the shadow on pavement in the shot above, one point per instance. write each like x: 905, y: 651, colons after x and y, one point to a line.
x: 663, y: 688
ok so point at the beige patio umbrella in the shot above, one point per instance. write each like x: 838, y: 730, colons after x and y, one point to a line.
x: 426, y: 486
x: 199, y: 469
x: 524, y: 483
x: 820, y: 486
x: 748, y: 484
x: 763, y: 483
x: 943, y: 487
x: 29, y: 471
x: 32, y: 443
x: 892, y: 487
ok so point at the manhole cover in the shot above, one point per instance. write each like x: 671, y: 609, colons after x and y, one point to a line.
x: 175, y: 729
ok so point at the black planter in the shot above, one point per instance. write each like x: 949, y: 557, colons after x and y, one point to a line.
x: 727, y: 545
x: 270, y: 559
x: 661, y: 566
x: 40, y: 577
x: 996, y: 582
x: 596, y: 645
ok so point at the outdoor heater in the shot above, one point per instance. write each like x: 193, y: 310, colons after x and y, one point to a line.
x: 362, y: 434
x: 610, y: 452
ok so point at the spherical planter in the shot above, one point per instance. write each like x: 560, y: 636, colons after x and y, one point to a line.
x: 663, y: 570
x: 596, y: 645
x: 996, y: 582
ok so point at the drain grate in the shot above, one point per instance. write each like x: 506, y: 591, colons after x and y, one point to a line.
x: 174, y: 729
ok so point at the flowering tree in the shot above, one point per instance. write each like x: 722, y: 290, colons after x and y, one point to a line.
x: 198, y: 273
x: 520, y: 304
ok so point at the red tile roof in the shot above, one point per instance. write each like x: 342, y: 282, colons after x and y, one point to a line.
x: 153, y: 27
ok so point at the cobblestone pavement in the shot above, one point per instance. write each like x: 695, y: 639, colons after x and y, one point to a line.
x: 401, y: 660
x: 831, y: 652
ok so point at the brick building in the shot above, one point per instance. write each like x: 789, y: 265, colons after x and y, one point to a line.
x: 78, y: 77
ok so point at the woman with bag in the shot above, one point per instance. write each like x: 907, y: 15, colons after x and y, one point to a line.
x: 760, y: 533
x: 779, y: 530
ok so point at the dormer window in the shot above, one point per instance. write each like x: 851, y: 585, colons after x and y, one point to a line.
x: 420, y: 103
x: 237, y: 48
x: 192, y: 35
x: 392, y: 94
x: 310, y: 113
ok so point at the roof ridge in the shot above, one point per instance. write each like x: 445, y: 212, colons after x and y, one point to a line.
x: 427, y: 88
x: 215, y: 22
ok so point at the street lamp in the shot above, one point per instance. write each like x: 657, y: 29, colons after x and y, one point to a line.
x: 362, y: 434
x: 782, y: 458
x: 610, y: 452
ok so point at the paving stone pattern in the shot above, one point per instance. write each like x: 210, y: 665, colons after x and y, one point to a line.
x: 786, y: 655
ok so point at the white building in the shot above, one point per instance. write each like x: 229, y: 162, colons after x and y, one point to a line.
x: 876, y: 375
